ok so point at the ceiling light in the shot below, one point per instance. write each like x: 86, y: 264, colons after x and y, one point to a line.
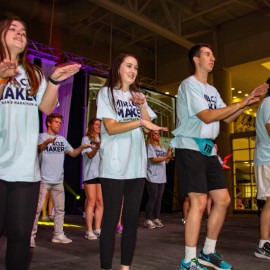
x: 250, y: 110
x: 234, y: 97
x: 266, y: 65
x: 239, y: 92
x: 167, y: 93
x: 232, y: 88
x: 246, y: 95
x: 175, y: 95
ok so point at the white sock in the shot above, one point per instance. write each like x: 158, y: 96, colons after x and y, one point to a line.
x: 190, y: 253
x: 262, y: 242
x: 209, y: 246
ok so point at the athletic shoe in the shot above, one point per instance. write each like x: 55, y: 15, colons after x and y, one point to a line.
x: 149, y: 224
x: 119, y: 228
x: 32, y: 242
x: 263, y: 252
x: 61, y: 238
x: 158, y: 223
x: 192, y: 265
x: 44, y: 218
x: 214, y: 260
x: 97, y: 232
x: 90, y: 236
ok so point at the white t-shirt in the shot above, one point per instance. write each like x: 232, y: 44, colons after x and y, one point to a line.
x: 90, y: 166
x: 52, y: 158
x: 262, y: 149
x: 192, y: 98
x: 123, y: 156
x: 156, y: 172
x: 19, y: 128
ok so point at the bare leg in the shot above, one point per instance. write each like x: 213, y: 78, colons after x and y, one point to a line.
x: 221, y: 199
x: 265, y: 221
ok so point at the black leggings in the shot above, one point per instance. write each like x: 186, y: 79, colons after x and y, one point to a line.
x: 18, y: 205
x: 113, y: 192
x: 155, y: 192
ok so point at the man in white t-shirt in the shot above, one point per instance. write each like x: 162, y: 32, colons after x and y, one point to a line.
x: 262, y: 173
x: 52, y: 149
x: 199, y: 110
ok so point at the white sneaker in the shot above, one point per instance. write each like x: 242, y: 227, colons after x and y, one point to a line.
x: 97, y: 232
x: 61, y: 238
x: 158, y: 223
x: 90, y: 236
x: 149, y: 224
x: 32, y: 242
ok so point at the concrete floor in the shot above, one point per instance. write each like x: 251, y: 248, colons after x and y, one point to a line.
x: 158, y: 249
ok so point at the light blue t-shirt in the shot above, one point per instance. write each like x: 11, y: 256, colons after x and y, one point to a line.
x: 19, y: 128
x: 122, y: 156
x: 90, y: 166
x: 262, y: 149
x: 192, y: 98
x: 52, y: 158
x: 156, y: 172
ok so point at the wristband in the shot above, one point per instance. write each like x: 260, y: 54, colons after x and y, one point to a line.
x: 4, y: 81
x: 54, y: 81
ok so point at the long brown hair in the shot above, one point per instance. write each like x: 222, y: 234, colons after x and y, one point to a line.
x: 33, y: 72
x: 90, y: 133
x: 114, y: 77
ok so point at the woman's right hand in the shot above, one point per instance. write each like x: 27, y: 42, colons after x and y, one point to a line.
x: 8, y: 69
x: 150, y: 126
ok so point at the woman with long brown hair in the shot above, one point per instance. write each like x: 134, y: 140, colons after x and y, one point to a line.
x: 125, y: 114
x: 23, y: 90
x: 91, y: 181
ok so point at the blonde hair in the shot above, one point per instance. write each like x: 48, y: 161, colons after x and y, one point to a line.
x: 150, y: 139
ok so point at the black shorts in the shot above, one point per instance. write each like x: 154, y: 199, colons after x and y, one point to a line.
x: 198, y: 173
x: 92, y: 181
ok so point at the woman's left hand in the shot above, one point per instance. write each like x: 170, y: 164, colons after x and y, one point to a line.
x: 64, y: 71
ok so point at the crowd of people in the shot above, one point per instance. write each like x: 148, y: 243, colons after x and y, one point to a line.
x: 116, y: 158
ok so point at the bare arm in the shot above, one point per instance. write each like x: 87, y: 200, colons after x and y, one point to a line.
x: 231, y: 112
x: 42, y: 146
x: 113, y: 127
x: 166, y: 158
x: 95, y: 148
x: 50, y: 97
x: 75, y: 152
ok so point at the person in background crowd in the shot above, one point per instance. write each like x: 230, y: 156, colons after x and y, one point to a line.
x: 125, y: 114
x: 158, y: 157
x: 23, y: 90
x: 91, y: 181
x: 52, y: 149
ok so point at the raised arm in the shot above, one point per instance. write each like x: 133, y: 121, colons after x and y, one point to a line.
x: 233, y: 111
x: 60, y: 73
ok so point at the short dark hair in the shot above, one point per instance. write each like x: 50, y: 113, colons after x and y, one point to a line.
x: 196, y: 51
x: 51, y: 116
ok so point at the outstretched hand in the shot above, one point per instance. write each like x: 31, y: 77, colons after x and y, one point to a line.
x: 255, y: 94
x: 64, y: 71
x: 150, y: 126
